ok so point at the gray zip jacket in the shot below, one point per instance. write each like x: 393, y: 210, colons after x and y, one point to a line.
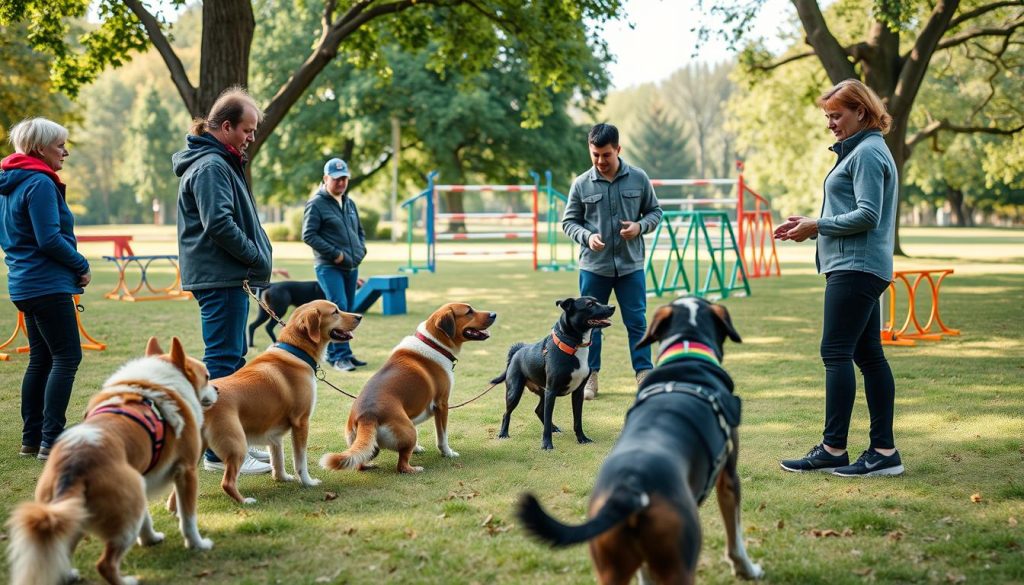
x: 597, y: 205
x: 332, y: 229
x: 857, y: 228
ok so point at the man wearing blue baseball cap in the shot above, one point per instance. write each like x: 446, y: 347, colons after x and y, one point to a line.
x: 330, y: 225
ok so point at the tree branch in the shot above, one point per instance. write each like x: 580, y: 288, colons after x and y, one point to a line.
x: 916, y: 63
x: 163, y: 46
x: 936, y: 126
x: 982, y: 10
x: 832, y: 55
x: 961, y: 38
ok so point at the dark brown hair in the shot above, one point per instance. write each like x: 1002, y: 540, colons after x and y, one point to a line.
x: 229, y: 107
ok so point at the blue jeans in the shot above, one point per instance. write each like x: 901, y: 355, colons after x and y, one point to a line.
x: 340, y: 287
x: 55, y: 350
x: 631, y: 294
x: 851, y: 335
x: 224, y: 312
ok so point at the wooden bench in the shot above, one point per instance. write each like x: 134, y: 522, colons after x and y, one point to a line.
x: 122, y: 244
x: 391, y: 288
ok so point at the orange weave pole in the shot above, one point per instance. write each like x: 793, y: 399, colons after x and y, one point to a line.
x: 912, y: 329
x: 755, y: 231
x: 20, y: 328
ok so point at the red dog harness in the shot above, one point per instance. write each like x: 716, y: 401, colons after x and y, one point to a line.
x: 149, y: 418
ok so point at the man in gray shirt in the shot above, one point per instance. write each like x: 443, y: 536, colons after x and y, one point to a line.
x: 609, y: 209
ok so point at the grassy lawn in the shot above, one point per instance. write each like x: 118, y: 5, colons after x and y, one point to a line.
x: 956, y: 516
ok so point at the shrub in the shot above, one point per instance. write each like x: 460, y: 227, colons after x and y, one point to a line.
x: 278, y: 233
x: 369, y: 218
x: 293, y: 220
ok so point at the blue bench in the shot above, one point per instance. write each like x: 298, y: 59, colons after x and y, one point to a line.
x: 392, y: 288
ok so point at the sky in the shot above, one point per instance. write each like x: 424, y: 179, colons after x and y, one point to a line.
x: 660, y: 40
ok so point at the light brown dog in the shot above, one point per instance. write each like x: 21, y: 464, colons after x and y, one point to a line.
x: 274, y: 394
x: 412, y: 386
x: 140, y: 433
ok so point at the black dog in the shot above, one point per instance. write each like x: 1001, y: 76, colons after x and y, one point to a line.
x: 281, y: 295
x: 555, y: 366
x: 679, y: 440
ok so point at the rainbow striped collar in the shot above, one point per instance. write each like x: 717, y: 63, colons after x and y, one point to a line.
x: 687, y: 349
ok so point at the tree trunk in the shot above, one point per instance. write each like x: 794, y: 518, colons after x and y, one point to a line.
x: 955, y: 197
x: 227, y: 36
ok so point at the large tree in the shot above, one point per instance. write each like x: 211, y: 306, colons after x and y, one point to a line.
x: 468, y: 35
x: 26, y: 90
x: 892, y: 54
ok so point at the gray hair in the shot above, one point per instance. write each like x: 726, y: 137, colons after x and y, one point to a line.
x: 34, y: 134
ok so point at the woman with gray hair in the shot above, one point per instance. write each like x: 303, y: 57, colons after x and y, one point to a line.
x: 45, y: 270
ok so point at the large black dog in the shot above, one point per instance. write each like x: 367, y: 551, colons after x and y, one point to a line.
x: 281, y: 295
x: 679, y: 440
x: 555, y: 366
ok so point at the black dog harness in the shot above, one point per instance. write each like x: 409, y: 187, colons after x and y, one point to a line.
x: 727, y: 419
x: 149, y: 419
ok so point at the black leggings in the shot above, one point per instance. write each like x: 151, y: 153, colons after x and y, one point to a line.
x: 55, y: 350
x: 851, y: 334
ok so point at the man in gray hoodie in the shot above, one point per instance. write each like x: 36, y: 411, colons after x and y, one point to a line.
x: 610, y: 208
x: 221, y: 242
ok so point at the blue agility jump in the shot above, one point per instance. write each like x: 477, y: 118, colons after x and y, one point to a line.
x: 391, y: 288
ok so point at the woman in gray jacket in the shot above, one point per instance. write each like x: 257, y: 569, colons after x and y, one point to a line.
x: 855, y: 236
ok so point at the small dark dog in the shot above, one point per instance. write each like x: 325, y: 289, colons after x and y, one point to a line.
x: 555, y: 366
x: 679, y: 440
x: 281, y: 295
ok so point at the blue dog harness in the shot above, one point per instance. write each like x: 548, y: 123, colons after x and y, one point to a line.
x: 299, y: 353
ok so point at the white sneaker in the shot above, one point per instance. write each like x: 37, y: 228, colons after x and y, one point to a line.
x: 259, y: 455
x: 249, y: 467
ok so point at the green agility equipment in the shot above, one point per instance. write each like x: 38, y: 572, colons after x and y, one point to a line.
x: 703, y: 239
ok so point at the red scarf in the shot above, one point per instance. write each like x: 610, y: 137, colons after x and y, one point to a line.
x: 29, y: 163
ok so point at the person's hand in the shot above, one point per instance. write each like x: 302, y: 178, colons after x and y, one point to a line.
x: 360, y: 282
x: 595, y: 242
x: 797, y: 228
x: 85, y: 279
x: 630, y: 229
x: 281, y: 272
x: 340, y: 258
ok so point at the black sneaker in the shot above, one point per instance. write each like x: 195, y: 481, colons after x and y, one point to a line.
x: 344, y: 366
x: 817, y: 459
x: 357, y: 362
x: 871, y: 463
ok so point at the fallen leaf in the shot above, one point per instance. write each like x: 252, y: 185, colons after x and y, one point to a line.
x: 462, y: 495
x: 855, y: 552
x: 955, y: 578
x: 818, y: 533
x: 409, y: 532
x: 487, y: 520
x: 894, y: 535
x: 847, y: 531
x: 350, y: 530
x: 328, y: 496
x: 442, y: 515
x: 780, y: 524
x: 327, y: 578
x: 203, y: 573
x: 976, y: 498
x: 864, y: 572
x: 566, y: 489
x: 1012, y: 522
x: 761, y: 506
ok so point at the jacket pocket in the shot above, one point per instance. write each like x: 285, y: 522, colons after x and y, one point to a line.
x: 631, y: 204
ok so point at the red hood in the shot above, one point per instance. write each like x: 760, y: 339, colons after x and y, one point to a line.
x: 29, y: 163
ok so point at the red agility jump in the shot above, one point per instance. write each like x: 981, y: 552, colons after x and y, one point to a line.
x: 905, y: 335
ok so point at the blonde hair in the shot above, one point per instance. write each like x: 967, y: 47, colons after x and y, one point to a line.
x: 34, y: 134
x: 229, y: 107
x: 854, y: 95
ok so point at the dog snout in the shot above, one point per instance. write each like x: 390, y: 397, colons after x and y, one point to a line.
x: 358, y: 317
x: 492, y: 316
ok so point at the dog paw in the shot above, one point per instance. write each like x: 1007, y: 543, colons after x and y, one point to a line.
x: 72, y: 576
x: 555, y: 429
x: 418, y: 448
x: 248, y: 501
x: 502, y: 436
x: 583, y: 440
x: 547, y: 446
x: 450, y: 453
x: 284, y: 477
x: 310, y: 482
x: 151, y: 539
x: 411, y: 469
x: 130, y: 580
x: 753, y: 572
x: 201, y: 544
x: 366, y: 466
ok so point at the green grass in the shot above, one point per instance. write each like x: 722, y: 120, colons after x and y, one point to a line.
x: 959, y: 426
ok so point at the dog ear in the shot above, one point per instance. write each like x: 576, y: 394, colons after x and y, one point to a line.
x: 564, y: 304
x: 447, y: 324
x: 656, y: 329
x: 153, y: 348
x: 722, y: 314
x: 177, y: 354
x: 311, y: 321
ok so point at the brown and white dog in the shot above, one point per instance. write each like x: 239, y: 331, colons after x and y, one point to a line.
x: 274, y: 394
x: 141, y: 432
x: 413, y: 385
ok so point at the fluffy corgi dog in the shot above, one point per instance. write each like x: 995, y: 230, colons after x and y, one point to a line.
x: 274, y: 394
x: 410, y: 388
x: 140, y: 433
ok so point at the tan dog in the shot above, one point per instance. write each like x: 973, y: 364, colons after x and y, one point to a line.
x: 140, y: 433
x: 274, y: 394
x: 412, y: 386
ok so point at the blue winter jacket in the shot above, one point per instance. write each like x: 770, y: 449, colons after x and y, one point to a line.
x: 37, y: 232
x: 220, y: 239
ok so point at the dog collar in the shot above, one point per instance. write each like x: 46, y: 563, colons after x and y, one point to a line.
x: 437, y: 347
x: 687, y: 349
x: 565, y: 347
x: 299, y: 353
x: 149, y: 419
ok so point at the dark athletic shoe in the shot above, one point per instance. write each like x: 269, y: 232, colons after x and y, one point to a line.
x: 872, y: 463
x: 357, y: 362
x: 817, y: 459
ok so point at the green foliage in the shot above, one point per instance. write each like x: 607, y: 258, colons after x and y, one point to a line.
x: 662, y: 145
x: 26, y: 91
x: 148, y: 146
x: 293, y: 220
x: 279, y: 233
x: 369, y: 219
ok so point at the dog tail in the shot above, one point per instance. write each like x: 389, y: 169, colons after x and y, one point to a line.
x: 40, y: 538
x: 362, y: 449
x: 511, y: 352
x: 623, y: 503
